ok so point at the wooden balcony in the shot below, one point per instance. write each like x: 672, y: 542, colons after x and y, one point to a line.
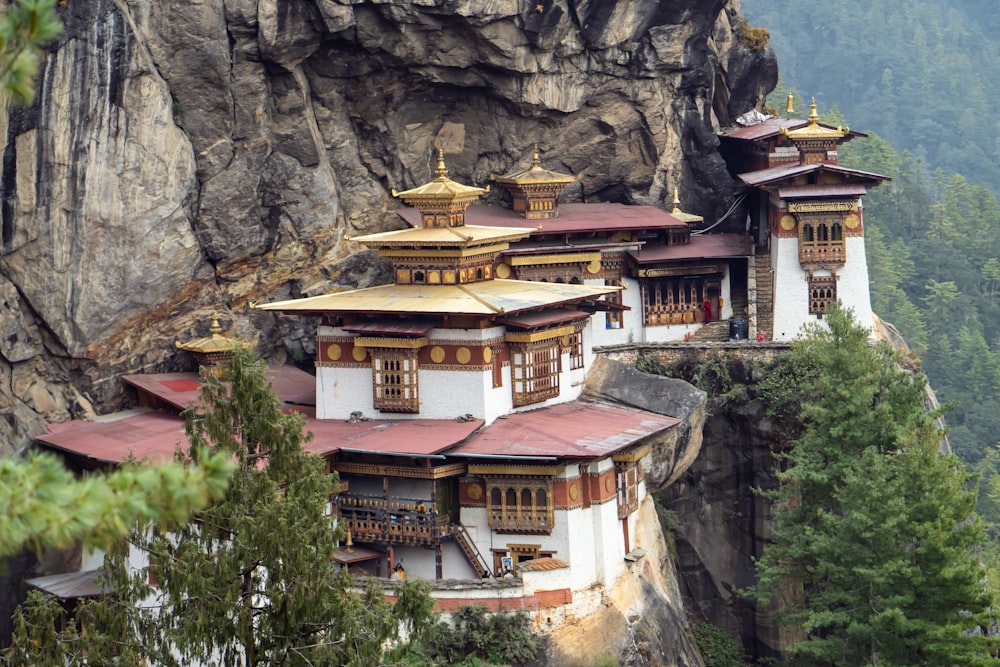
x: 396, y: 521
x: 822, y: 253
x: 527, y: 520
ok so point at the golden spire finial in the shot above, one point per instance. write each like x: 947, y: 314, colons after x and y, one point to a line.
x: 677, y: 201
x: 536, y: 162
x: 215, y: 328
x: 441, y: 172
x: 789, y: 108
x: 813, y: 116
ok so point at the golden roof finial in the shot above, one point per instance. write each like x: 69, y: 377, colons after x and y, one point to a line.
x: 536, y: 161
x: 441, y: 172
x: 790, y: 108
x: 677, y: 201
x: 813, y: 116
x: 215, y: 328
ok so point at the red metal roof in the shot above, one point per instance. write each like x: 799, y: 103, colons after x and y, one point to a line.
x: 703, y: 246
x: 768, y: 128
x: 179, y: 390
x: 581, y: 429
x: 783, y: 172
x: 155, y: 436
x: 542, y: 318
x: 810, y: 191
x: 405, y: 437
x: 573, y: 218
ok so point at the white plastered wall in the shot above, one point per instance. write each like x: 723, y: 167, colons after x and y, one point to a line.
x: 791, y: 286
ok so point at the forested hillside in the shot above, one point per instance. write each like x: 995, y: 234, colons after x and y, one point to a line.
x: 916, y: 77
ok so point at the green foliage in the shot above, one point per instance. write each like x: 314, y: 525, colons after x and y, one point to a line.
x: 648, y: 363
x: 25, y: 27
x: 877, y: 549
x: 252, y: 581
x: 755, y: 39
x: 717, y: 648
x: 46, y: 506
x: 498, y: 639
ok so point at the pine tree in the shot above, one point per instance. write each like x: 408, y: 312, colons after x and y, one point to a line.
x: 874, y: 528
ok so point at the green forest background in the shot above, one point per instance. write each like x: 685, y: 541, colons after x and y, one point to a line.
x: 919, y: 77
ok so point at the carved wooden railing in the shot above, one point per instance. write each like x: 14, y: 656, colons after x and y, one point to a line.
x: 398, y: 520
x: 524, y: 520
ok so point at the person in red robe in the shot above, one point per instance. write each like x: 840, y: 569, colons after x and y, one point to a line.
x: 707, y: 307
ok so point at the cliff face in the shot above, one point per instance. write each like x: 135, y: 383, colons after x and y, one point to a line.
x: 187, y: 159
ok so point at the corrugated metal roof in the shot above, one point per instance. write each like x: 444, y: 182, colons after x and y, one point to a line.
x: 542, y: 318
x: 785, y: 171
x: 768, y: 128
x: 581, y: 429
x: 573, y: 218
x: 181, y: 390
x: 810, y: 191
x: 155, y: 436
x: 72, y: 585
x: 704, y: 246
x: 491, y: 297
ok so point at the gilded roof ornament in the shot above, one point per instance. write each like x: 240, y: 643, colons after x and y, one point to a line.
x: 789, y: 107
x: 689, y: 218
x: 440, y: 188
x: 441, y: 201
x: 213, y: 344
x: 537, y: 175
x: 814, y: 131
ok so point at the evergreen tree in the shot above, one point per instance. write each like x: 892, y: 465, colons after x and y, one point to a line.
x: 252, y: 581
x: 875, y: 532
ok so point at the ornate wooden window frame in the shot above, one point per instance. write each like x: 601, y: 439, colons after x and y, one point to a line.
x: 523, y: 506
x: 627, y: 478
x: 822, y: 292
x: 395, y: 380
x: 821, y: 239
x: 535, y: 369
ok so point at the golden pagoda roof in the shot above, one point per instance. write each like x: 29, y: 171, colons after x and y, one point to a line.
x: 536, y: 175
x: 440, y: 190
x: 490, y: 297
x: 214, y: 343
x: 813, y: 130
x: 445, y: 237
x: 689, y: 218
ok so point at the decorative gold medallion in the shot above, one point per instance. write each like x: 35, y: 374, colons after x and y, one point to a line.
x: 787, y: 222
x: 594, y: 266
x: 333, y: 352
x: 360, y: 354
x: 852, y: 221
x: 609, y: 484
x: 503, y: 271
x: 487, y: 355
x: 574, y: 491
x: 437, y: 354
x: 474, y: 491
x: 463, y: 355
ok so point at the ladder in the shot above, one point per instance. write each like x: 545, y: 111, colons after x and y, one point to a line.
x: 472, y: 554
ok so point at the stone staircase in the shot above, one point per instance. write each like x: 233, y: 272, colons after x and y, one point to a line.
x: 717, y: 331
x: 765, y: 295
x: 472, y: 554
